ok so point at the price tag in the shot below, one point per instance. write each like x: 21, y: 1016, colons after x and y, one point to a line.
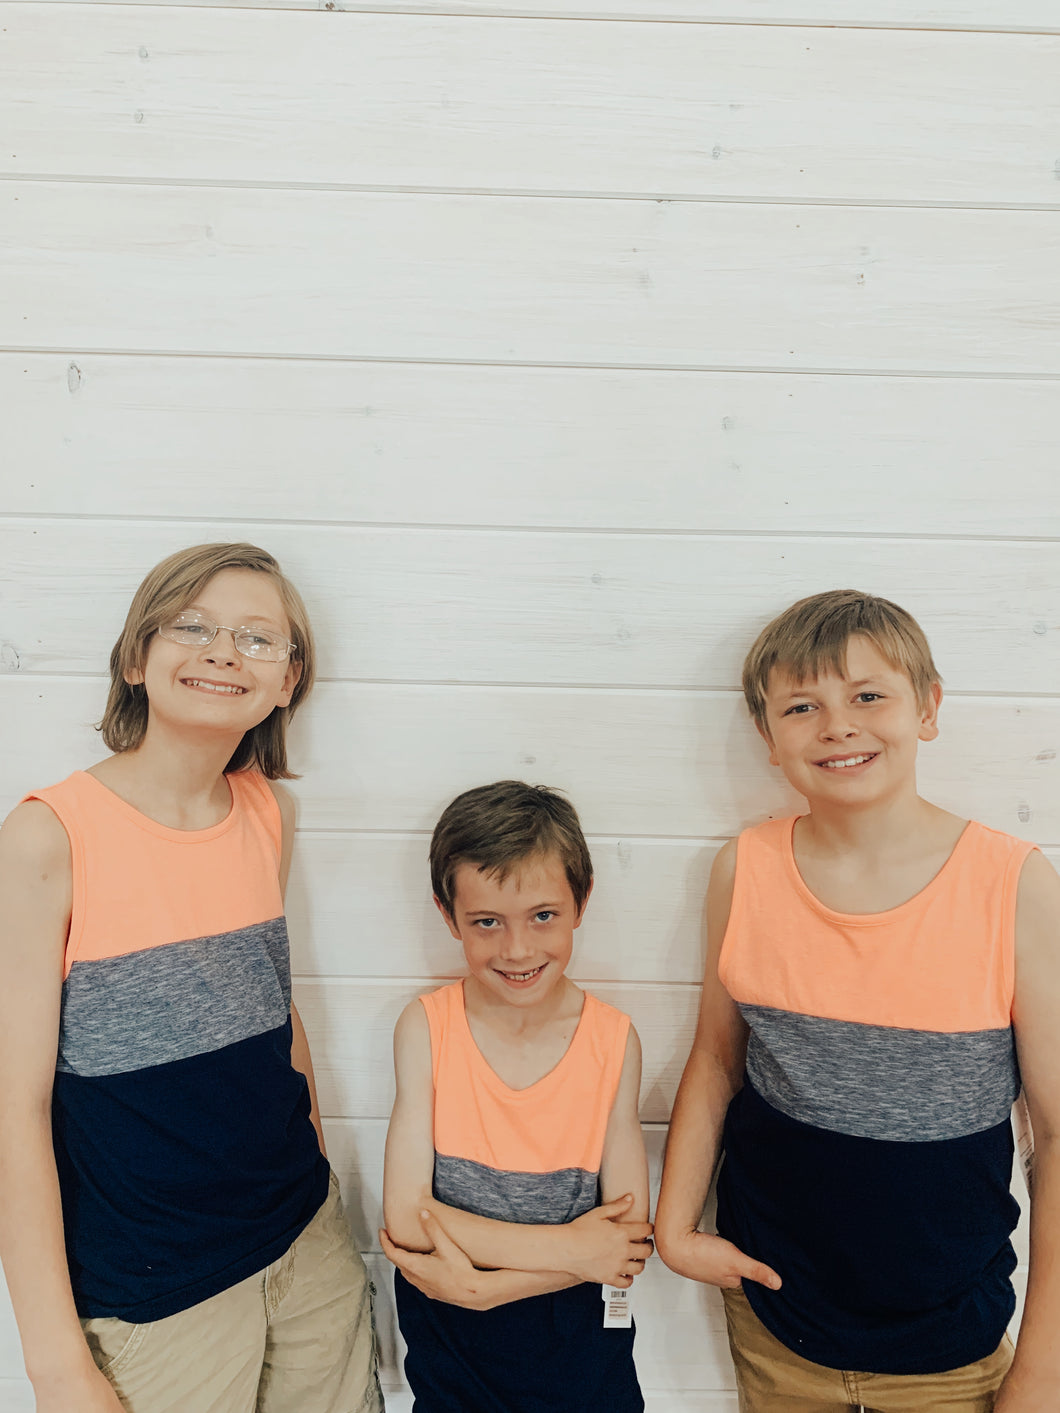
x: 618, y: 1307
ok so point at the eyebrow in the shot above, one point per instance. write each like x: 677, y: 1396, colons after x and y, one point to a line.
x: 250, y: 618
x: 806, y: 689
x: 489, y: 912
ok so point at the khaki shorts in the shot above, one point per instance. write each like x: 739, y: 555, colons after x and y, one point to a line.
x: 295, y: 1338
x: 773, y: 1379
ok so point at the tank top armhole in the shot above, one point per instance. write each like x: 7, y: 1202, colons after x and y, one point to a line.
x: 250, y: 790
x: 1013, y: 870
x: 610, y: 1035
x: 67, y: 817
x: 728, y: 943
x: 435, y: 1005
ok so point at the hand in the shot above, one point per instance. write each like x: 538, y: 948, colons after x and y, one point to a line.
x: 444, y: 1273
x: 715, y: 1261
x: 606, y: 1250
x: 88, y: 1392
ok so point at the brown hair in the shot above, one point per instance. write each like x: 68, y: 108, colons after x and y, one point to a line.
x: 167, y: 589
x: 812, y: 635
x: 497, y: 827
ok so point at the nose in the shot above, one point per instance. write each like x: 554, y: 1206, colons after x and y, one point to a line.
x: 519, y: 944
x: 222, y: 650
x: 836, y: 725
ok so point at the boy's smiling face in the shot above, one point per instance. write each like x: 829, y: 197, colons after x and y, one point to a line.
x: 852, y: 738
x: 517, y: 935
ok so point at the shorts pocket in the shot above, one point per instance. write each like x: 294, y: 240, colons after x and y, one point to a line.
x: 113, y: 1343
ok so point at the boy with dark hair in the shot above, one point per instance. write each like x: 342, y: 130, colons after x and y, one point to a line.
x: 516, y: 1114
x: 880, y: 975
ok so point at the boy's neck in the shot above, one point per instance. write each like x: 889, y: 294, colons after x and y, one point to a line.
x: 908, y: 822
x: 562, y: 1002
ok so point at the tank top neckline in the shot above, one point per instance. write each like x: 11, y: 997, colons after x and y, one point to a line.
x: 165, y: 831
x: 888, y: 915
x: 490, y: 1075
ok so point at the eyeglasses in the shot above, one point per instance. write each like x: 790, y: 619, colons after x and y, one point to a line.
x: 192, y: 630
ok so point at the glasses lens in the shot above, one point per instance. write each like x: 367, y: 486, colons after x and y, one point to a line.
x: 262, y: 645
x: 188, y: 630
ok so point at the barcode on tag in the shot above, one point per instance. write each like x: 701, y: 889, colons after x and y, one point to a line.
x: 618, y: 1308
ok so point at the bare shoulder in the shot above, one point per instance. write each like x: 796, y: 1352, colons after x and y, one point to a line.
x: 1038, y: 905
x: 412, y: 1031
x: 723, y: 869
x: 32, y: 837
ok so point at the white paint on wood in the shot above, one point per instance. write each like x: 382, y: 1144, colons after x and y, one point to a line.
x: 473, y: 606
x: 361, y: 906
x: 775, y: 113
x: 505, y: 279
x: 564, y: 448
x: 987, y: 15
x: 685, y: 764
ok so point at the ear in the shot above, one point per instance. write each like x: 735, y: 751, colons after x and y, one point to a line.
x: 929, y: 713
x: 450, y: 924
x: 291, y: 679
x: 134, y: 677
x: 768, y: 739
x: 581, y: 910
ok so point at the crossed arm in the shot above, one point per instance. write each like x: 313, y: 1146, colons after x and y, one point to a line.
x: 475, y: 1261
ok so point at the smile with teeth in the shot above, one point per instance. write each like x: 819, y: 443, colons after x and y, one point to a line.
x: 225, y: 689
x: 847, y: 761
x: 523, y: 975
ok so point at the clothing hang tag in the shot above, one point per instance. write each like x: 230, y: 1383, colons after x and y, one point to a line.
x: 1021, y: 1124
x: 618, y: 1307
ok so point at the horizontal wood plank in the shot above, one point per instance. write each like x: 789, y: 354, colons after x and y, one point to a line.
x: 564, y: 448
x: 990, y: 15
x: 467, y: 606
x: 538, y: 280
x: 774, y: 113
x: 360, y: 905
x: 635, y: 762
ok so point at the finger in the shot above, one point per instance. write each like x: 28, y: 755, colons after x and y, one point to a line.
x: 443, y: 1243
x: 616, y: 1207
x: 760, y: 1272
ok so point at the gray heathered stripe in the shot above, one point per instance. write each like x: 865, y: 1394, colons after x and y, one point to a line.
x: 170, y: 1002
x: 877, y: 1081
x: 539, y: 1198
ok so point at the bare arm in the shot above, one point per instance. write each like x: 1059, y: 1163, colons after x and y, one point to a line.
x: 595, y: 1247
x: 35, y: 883
x: 417, y: 1241
x: 712, y: 1075
x: 624, y: 1165
x: 1035, y: 1374
x: 300, y: 1056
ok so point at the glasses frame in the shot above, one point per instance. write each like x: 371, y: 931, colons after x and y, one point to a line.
x: 206, y: 623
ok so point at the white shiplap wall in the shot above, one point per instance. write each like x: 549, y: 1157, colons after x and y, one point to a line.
x: 553, y: 347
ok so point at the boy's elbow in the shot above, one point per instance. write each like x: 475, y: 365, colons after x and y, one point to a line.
x: 403, y: 1225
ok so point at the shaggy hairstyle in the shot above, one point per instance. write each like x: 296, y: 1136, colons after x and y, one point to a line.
x: 812, y: 636
x: 501, y: 826
x: 168, y: 589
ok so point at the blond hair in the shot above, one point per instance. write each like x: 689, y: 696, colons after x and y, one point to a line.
x: 812, y: 636
x: 170, y: 587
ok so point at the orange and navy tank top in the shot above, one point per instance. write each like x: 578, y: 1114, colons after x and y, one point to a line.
x: 187, y: 1159
x: 869, y: 1154
x: 519, y: 1155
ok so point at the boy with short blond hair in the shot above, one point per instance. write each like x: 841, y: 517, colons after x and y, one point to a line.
x: 880, y: 974
x: 516, y: 1115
